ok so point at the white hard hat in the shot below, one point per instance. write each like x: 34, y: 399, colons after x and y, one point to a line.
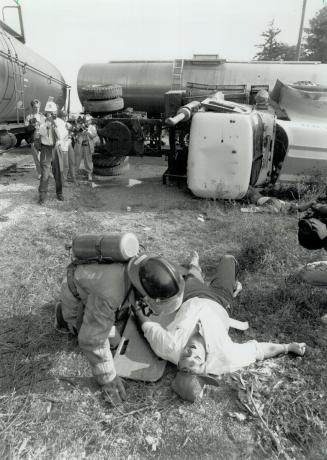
x: 51, y: 106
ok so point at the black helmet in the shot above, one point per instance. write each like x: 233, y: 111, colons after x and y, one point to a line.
x: 158, y: 279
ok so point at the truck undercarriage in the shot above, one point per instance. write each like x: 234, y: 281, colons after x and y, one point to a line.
x: 128, y: 133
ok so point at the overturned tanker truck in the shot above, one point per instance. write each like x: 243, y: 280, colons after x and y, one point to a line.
x: 230, y: 124
x: 24, y: 76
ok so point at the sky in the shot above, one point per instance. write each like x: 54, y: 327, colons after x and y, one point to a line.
x: 70, y: 33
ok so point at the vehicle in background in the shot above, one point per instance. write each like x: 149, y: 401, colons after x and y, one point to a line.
x: 144, y: 83
x: 222, y: 147
x: 233, y: 146
x: 222, y: 139
x: 24, y: 76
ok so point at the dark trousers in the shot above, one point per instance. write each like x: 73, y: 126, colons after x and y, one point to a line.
x: 220, y: 288
x: 50, y: 157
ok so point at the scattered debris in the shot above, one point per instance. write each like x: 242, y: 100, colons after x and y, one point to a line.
x: 187, y: 439
x: 240, y: 416
x: 157, y: 416
x: 48, y: 408
x: 252, y: 209
x: 132, y: 182
x: 153, y: 442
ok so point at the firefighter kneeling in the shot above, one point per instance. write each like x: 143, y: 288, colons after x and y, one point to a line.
x: 104, y: 279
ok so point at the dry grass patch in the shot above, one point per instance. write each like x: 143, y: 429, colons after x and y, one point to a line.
x: 50, y: 407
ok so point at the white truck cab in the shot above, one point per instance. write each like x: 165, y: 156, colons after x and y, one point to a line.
x: 228, y: 151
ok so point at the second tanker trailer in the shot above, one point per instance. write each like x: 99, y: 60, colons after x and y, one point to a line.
x: 24, y: 76
x: 144, y: 83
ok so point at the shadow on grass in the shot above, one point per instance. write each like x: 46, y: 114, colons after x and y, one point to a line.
x: 32, y: 348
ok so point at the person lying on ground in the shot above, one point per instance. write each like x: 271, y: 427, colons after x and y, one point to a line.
x: 275, y: 205
x: 197, y: 339
x: 96, y: 296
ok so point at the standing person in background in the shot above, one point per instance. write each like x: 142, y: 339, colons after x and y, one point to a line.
x: 32, y: 123
x: 53, y: 133
x: 68, y: 151
x: 77, y: 141
x: 84, y: 146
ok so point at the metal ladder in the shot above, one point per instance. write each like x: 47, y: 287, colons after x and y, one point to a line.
x: 176, y: 81
x: 18, y: 79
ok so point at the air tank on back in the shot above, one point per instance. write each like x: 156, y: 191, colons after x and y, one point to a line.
x: 145, y: 82
x: 24, y: 75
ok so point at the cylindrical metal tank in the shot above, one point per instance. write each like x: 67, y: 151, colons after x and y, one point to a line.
x: 24, y: 75
x: 145, y: 82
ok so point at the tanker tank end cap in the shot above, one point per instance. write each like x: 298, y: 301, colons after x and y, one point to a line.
x: 51, y: 106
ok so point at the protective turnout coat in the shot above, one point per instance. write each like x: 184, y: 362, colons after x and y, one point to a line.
x: 91, y: 298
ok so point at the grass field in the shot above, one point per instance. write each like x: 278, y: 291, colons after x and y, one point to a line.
x: 50, y: 406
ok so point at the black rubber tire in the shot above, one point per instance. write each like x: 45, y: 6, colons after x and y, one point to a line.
x: 8, y: 141
x: 118, y: 138
x: 19, y: 138
x: 104, y: 106
x: 95, y: 92
x: 120, y: 168
x: 105, y: 161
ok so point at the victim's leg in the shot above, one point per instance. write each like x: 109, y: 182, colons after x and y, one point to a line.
x: 224, y: 281
x: 270, y: 350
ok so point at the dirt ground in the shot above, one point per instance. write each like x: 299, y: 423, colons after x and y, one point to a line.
x: 50, y: 406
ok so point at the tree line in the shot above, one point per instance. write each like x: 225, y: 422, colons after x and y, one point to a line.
x: 314, y: 46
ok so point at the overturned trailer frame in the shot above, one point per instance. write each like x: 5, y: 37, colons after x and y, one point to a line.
x: 136, y: 132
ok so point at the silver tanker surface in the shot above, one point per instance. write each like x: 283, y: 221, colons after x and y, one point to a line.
x: 25, y: 75
x: 145, y: 82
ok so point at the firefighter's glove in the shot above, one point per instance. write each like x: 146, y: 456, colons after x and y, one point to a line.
x: 114, y: 392
x: 320, y: 228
